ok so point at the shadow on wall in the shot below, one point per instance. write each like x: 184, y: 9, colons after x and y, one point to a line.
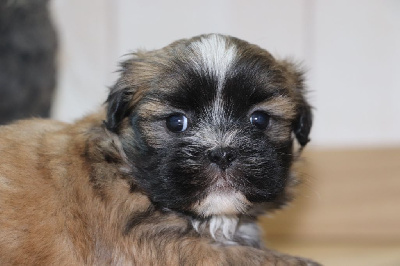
x: 28, y: 47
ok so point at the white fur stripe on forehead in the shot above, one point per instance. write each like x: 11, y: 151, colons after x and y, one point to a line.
x: 215, y: 55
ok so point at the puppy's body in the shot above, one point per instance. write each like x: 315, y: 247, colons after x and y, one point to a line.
x: 138, y: 189
x: 61, y: 204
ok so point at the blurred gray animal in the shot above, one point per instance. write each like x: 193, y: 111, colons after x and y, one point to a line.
x: 28, y: 47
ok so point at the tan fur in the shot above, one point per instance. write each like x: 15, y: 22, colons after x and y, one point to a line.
x: 63, y: 201
x: 70, y: 195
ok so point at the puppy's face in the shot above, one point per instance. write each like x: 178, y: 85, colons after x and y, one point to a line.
x: 207, y: 124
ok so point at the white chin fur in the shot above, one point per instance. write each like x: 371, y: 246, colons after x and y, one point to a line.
x: 222, y: 203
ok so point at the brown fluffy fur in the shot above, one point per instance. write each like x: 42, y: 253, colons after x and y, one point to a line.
x: 63, y: 201
x: 68, y: 195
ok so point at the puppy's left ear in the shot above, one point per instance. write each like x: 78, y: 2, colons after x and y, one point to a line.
x: 303, y: 121
x: 302, y: 124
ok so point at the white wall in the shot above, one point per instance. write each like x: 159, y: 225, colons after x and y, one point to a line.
x: 350, y: 47
x: 356, y: 72
x: 85, y: 68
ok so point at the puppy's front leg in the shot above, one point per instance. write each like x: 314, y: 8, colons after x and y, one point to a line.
x: 209, y: 254
x: 169, y: 240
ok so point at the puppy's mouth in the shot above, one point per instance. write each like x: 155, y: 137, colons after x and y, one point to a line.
x: 223, y: 196
x: 221, y: 179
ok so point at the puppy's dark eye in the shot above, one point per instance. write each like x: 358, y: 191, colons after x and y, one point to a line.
x: 177, y: 123
x: 259, y: 119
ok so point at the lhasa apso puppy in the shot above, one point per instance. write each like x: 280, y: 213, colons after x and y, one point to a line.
x: 196, y: 140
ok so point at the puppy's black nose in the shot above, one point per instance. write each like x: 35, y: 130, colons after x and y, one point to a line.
x: 223, y: 157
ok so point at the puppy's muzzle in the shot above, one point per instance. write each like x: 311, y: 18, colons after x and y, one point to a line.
x: 222, y: 156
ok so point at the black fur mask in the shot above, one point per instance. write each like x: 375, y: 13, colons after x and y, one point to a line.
x: 208, y: 124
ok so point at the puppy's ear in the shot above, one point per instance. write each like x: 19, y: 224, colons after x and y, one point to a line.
x: 118, y: 103
x: 121, y: 97
x: 303, y: 121
x: 302, y: 124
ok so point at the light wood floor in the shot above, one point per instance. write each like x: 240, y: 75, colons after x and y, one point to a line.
x: 347, y: 211
x: 344, y: 253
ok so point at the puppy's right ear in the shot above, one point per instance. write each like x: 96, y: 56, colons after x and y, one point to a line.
x: 118, y: 107
x: 119, y: 101
x: 136, y: 73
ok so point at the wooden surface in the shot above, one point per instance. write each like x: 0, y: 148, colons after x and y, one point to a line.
x: 347, y: 211
x: 342, y: 253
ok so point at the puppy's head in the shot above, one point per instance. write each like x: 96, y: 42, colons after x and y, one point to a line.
x: 208, y: 124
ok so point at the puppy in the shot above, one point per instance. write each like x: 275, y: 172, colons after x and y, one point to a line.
x: 196, y: 141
